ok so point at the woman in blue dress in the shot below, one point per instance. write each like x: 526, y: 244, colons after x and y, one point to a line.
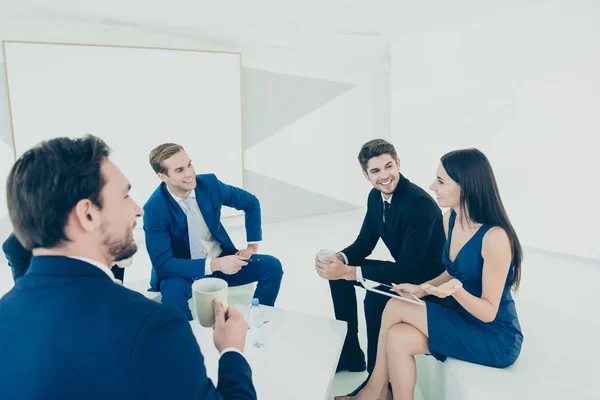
x: 483, y: 257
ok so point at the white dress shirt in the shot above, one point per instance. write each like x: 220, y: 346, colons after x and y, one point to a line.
x: 97, y: 264
x: 359, y: 276
x: 212, y: 248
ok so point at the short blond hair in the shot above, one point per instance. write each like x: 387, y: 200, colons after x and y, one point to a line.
x: 160, y: 154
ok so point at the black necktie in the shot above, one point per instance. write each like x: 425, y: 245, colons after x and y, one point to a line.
x: 386, y: 212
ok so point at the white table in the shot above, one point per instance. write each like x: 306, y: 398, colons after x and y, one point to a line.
x: 298, y: 360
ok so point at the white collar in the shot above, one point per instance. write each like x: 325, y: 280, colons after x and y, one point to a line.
x: 97, y: 264
x: 389, y: 201
x: 177, y: 198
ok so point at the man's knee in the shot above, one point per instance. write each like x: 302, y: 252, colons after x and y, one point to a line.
x: 341, y: 284
x: 176, y: 290
x: 272, y: 266
x: 342, y: 291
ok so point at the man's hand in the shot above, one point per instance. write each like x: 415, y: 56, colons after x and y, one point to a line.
x: 228, y: 265
x: 334, y: 269
x: 230, y: 328
x: 247, y: 252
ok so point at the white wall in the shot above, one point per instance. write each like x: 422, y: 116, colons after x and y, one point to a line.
x: 523, y: 88
x: 71, y: 32
x: 308, y: 164
x: 131, y: 98
x: 318, y: 152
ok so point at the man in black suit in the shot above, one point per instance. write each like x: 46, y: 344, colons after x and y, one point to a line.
x: 18, y: 256
x: 19, y: 259
x: 410, y: 224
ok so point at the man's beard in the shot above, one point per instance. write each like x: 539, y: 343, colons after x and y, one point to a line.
x: 120, y: 249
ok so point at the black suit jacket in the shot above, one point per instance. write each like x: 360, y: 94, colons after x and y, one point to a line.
x: 18, y: 256
x: 414, y: 235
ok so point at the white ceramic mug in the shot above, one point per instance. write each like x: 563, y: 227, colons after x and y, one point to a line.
x: 203, y: 293
x: 323, y: 254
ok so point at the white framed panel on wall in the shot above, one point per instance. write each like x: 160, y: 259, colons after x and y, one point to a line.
x: 134, y: 99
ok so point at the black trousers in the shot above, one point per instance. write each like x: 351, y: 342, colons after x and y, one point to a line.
x: 345, y: 306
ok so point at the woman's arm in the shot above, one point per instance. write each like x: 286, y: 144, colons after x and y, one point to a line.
x: 497, y: 256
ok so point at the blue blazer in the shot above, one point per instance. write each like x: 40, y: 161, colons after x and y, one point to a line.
x: 165, y: 226
x: 68, y: 332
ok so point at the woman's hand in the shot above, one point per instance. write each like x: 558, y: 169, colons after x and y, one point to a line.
x: 442, y: 291
x: 405, y: 289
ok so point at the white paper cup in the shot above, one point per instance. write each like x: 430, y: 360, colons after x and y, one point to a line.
x: 323, y: 254
x: 203, y: 293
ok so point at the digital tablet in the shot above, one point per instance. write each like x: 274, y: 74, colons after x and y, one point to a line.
x: 386, y: 290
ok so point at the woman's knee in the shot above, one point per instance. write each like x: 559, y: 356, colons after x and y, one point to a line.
x: 405, y: 338
x: 394, y: 311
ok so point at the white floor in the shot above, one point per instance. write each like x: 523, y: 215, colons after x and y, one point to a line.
x: 564, y: 286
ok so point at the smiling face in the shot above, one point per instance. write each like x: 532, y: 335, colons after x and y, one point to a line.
x: 446, y: 190
x: 180, y: 174
x: 384, y: 173
x: 118, y: 214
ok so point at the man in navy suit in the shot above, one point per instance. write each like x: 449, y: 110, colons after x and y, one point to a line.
x: 62, y: 323
x: 186, y: 240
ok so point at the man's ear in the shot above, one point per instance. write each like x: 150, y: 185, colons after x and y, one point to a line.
x: 163, y: 177
x: 365, y: 174
x: 87, y: 215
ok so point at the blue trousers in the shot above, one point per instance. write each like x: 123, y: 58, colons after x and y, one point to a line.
x: 267, y: 271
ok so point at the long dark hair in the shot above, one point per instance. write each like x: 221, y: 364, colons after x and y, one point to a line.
x: 480, y: 199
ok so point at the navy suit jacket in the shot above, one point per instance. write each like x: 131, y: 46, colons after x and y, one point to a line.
x: 68, y: 332
x: 165, y: 226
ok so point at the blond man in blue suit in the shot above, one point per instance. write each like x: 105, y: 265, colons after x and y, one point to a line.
x: 186, y: 240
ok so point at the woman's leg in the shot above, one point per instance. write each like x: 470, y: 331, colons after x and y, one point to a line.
x: 403, y: 341
x: 396, y: 312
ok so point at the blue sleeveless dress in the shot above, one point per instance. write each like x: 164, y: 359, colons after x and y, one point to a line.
x: 460, y: 335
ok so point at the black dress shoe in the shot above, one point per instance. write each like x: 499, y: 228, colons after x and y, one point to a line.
x: 359, y: 388
x: 353, y: 361
x: 362, y: 385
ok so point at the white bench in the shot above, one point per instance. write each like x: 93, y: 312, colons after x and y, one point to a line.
x: 559, y: 360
